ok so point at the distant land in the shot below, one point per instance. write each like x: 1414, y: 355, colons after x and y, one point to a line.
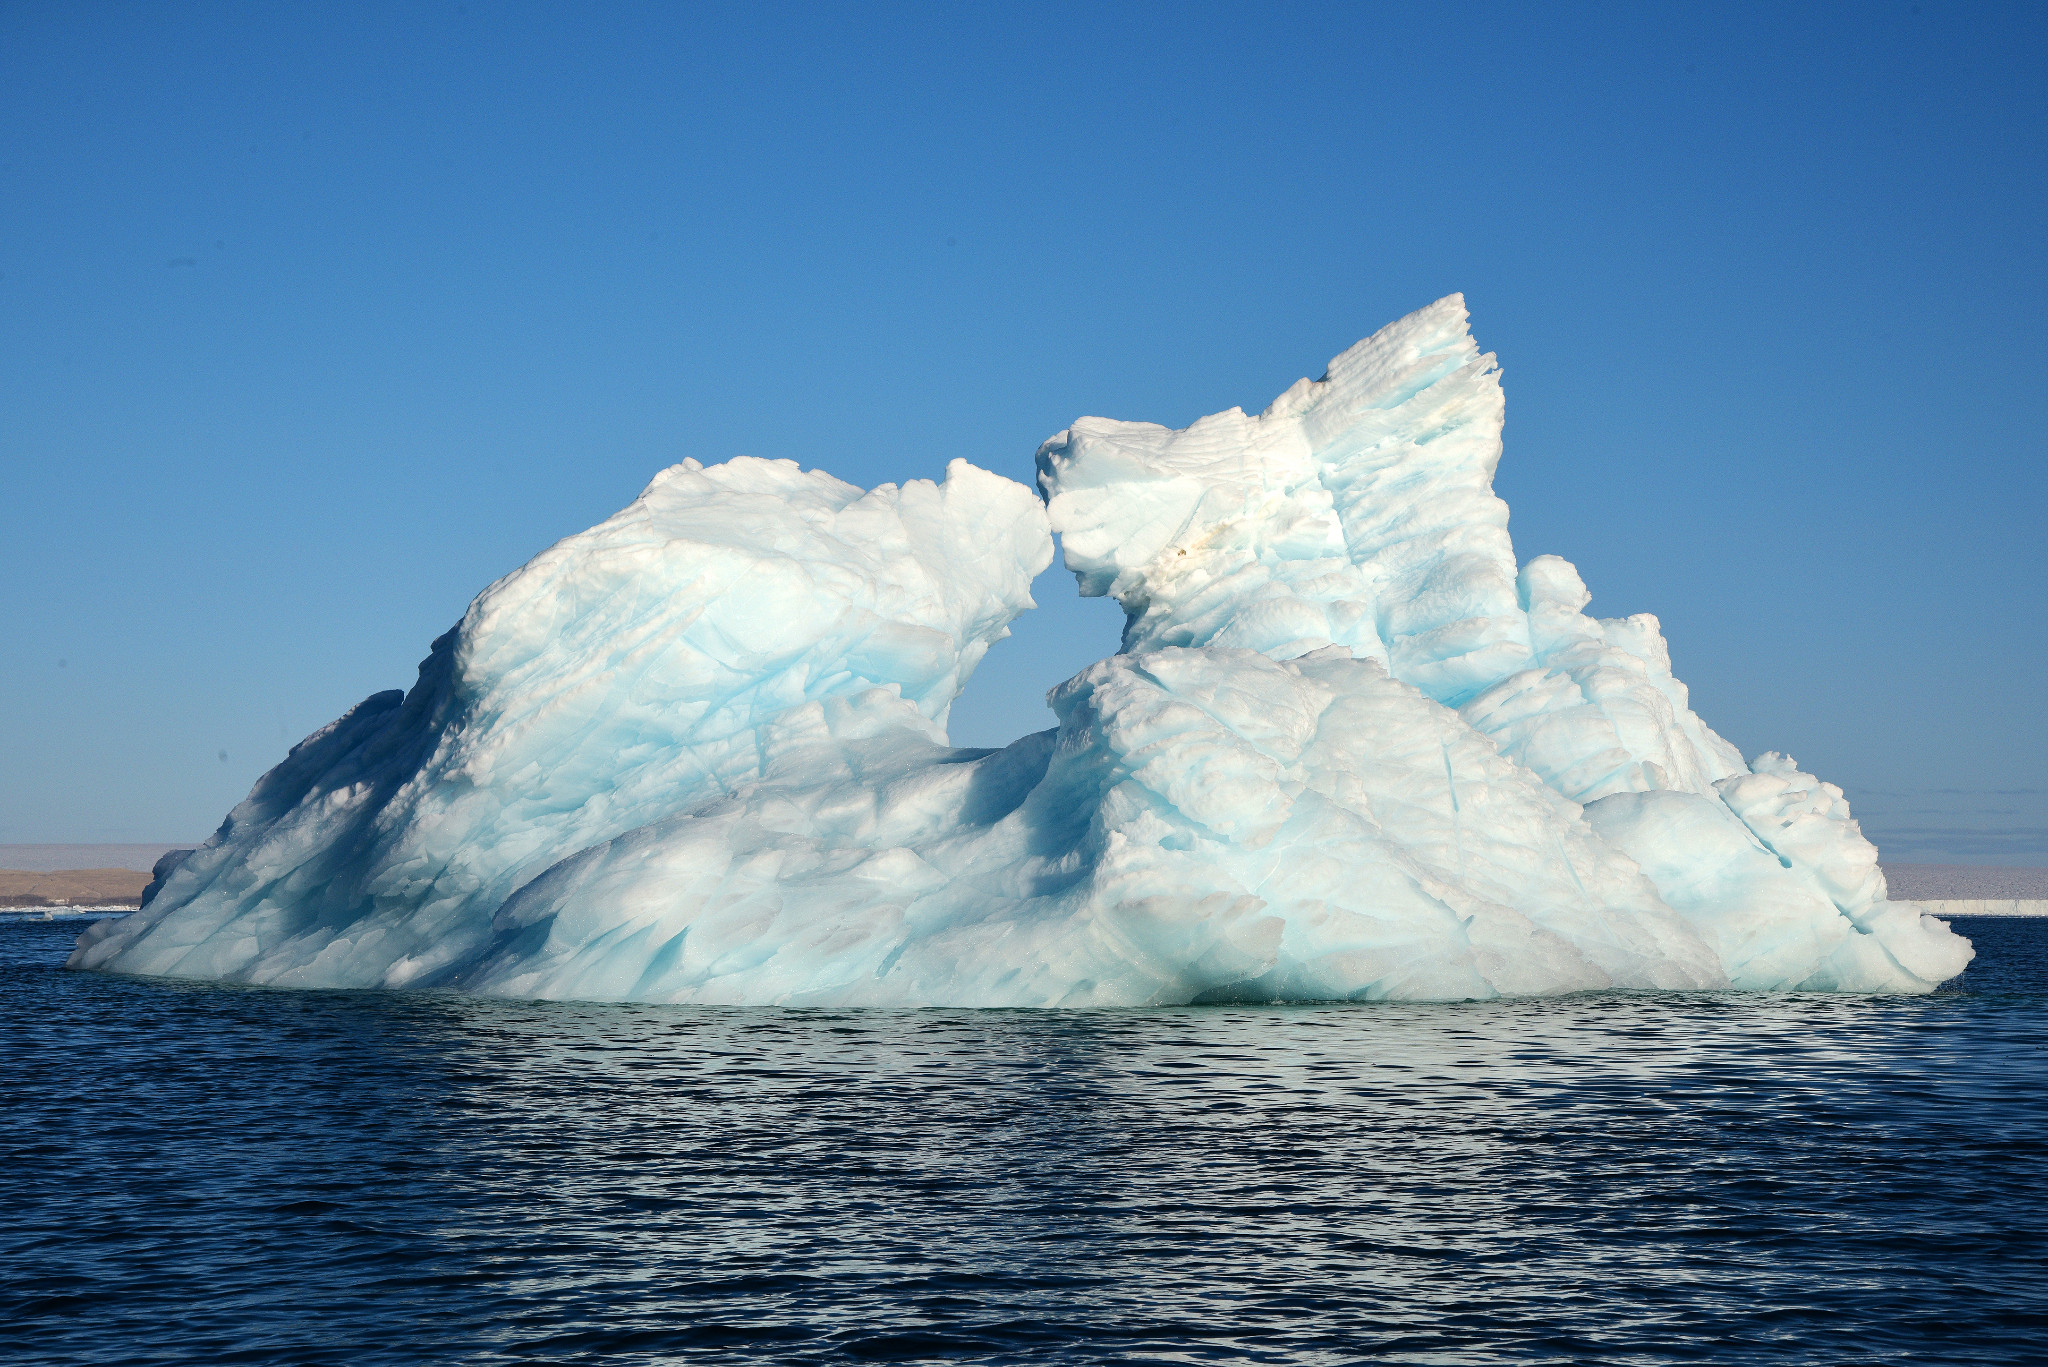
x: 21, y: 889
x: 1963, y: 883
x: 114, y: 876
x: 51, y: 858
x: 33, y: 876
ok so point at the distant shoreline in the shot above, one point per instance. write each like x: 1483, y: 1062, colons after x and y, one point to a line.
x: 35, y: 889
x: 2020, y: 906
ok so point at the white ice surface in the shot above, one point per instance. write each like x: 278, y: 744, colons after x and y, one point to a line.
x: 624, y: 674
x: 1351, y: 750
x: 1358, y: 510
x: 1204, y: 824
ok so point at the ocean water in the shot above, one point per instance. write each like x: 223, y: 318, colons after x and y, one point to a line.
x: 197, y: 1174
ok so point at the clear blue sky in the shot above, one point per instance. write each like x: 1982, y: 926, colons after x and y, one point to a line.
x: 315, y: 319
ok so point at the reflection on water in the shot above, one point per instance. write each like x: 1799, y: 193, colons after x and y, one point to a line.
x: 201, y: 1174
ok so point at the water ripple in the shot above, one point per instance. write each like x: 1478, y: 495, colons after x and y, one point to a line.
x: 220, y: 1175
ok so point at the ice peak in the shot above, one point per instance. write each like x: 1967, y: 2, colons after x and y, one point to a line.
x: 1339, y: 515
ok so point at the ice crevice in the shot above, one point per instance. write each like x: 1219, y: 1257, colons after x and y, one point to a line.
x: 1351, y: 749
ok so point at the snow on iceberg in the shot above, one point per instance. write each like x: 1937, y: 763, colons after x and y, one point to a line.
x: 1350, y: 750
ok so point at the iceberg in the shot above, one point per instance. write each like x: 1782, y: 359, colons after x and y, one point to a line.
x: 1350, y: 749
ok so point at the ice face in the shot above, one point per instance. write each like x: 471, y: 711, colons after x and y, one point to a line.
x: 1350, y: 750
x: 1358, y: 510
x: 1204, y: 824
x: 626, y: 673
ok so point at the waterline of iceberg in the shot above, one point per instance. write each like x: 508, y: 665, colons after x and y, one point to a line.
x: 1350, y: 750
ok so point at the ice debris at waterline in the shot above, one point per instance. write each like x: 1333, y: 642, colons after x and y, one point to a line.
x: 1349, y: 750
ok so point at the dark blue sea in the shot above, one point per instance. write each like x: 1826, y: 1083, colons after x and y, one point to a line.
x: 198, y: 1174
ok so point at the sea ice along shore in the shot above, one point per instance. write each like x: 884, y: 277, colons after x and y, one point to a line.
x: 1350, y: 750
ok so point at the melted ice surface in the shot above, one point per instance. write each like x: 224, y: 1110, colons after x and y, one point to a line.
x: 1350, y: 750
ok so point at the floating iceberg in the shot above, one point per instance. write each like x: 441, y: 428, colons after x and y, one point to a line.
x: 1349, y: 750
